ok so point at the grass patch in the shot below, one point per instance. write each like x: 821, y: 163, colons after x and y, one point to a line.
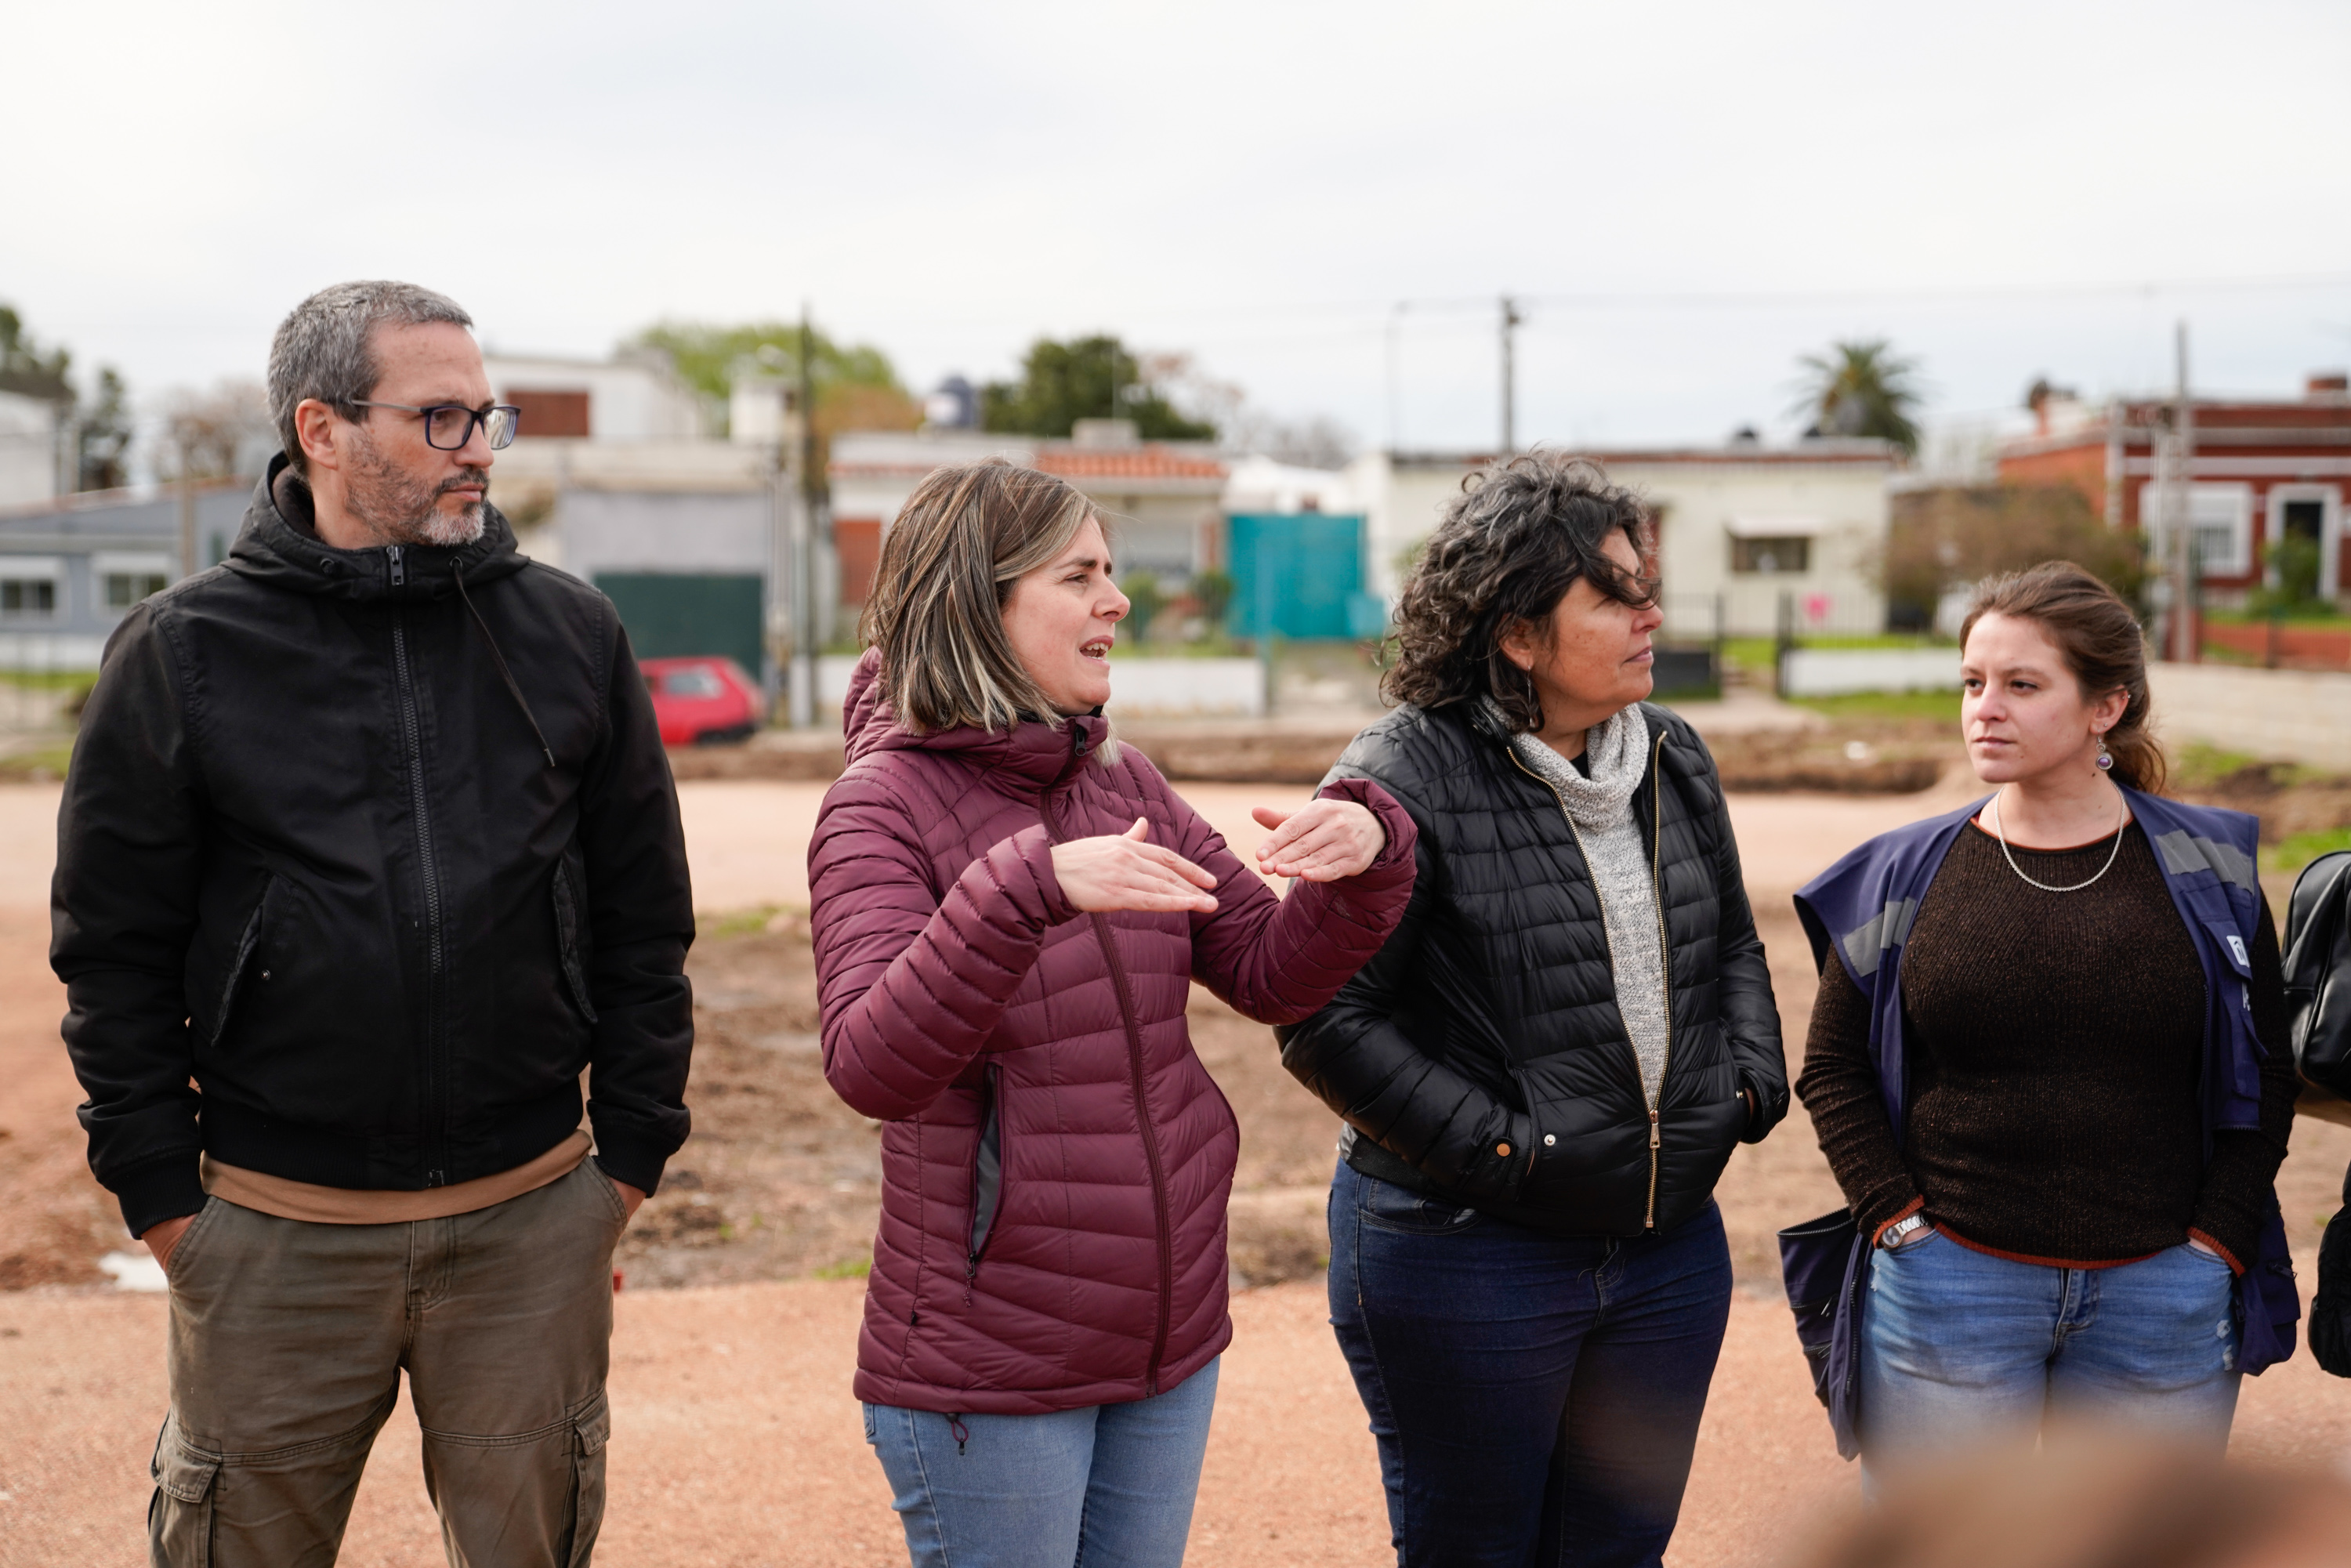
x: 847, y: 1268
x: 1939, y: 708
x: 735, y: 921
x: 2302, y: 849
x: 42, y: 765
x: 2199, y: 765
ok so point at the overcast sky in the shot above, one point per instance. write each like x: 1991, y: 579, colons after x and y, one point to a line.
x: 1257, y: 184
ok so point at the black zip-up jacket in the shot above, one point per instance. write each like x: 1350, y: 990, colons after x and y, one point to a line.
x: 1482, y: 1059
x: 315, y: 856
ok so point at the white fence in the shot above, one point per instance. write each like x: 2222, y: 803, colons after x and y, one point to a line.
x: 1838, y: 671
x: 1140, y: 688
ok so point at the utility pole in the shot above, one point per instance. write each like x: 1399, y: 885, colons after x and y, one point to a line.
x: 804, y: 643
x: 1511, y: 320
x: 2176, y: 466
x: 1396, y: 381
x: 187, y: 487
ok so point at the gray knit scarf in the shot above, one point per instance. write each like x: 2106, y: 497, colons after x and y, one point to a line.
x: 1598, y: 810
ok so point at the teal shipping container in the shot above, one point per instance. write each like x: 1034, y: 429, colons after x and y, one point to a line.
x: 1299, y: 575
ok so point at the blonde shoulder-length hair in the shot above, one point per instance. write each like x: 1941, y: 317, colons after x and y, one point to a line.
x: 936, y: 612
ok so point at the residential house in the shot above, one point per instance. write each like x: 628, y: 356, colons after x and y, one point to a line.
x: 2263, y: 470
x: 1164, y: 499
x: 1746, y: 533
x: 72, y: 567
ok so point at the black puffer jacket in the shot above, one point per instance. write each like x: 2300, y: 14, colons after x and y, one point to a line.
x: 312, y: 857
x: 1481, y: 1057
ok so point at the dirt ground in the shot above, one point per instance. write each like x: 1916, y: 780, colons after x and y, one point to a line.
x: 736, y: 1438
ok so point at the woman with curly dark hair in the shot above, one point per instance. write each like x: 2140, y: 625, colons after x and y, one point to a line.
x: 1547, y: 1065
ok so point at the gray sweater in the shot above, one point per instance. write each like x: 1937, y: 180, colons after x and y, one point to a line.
x: 1600, y: 812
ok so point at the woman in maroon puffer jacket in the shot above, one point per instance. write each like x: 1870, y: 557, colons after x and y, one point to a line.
x: 1009, y: 911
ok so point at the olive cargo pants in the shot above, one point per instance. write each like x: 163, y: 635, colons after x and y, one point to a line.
x: 287, y: 1340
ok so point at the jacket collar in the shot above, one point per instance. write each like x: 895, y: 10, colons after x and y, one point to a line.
x: 279, y: 544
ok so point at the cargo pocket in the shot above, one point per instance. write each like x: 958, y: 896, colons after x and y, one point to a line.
x: 179, y: 1516
x: 591, y: 1429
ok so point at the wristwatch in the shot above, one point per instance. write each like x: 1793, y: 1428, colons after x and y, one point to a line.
x: 1900, y: 1228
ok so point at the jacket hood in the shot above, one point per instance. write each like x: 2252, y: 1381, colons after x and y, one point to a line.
x: 1033, y: 752
x: 286, y: 551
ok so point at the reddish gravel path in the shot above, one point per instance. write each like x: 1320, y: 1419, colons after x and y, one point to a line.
x: 736, y: 1438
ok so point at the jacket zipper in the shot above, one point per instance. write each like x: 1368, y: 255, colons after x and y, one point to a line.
x: 1104, y: 934
x: 436, y: 1118
x: 1664, y: 957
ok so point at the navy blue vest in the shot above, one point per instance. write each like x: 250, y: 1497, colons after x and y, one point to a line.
x: 1861, y: 909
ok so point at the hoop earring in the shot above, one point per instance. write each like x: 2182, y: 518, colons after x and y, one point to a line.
x: 2106, y: 759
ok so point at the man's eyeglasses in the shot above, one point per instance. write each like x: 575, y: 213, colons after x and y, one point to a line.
x: 449, y: 425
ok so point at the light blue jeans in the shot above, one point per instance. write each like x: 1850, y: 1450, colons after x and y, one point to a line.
x: 1960, y: 1347
x: 1110, y: 1486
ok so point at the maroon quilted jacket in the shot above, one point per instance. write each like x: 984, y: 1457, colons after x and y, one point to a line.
x: 1055, y: 1160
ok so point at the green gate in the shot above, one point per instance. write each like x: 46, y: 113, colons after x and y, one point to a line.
x: 677, y: 614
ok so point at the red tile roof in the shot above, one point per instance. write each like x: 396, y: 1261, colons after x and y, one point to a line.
x: 1145, y: 462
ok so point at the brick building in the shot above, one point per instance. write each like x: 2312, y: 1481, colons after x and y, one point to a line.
x: 2263, y: 472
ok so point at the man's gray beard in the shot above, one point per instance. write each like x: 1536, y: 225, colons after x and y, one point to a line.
x: 402, y: 511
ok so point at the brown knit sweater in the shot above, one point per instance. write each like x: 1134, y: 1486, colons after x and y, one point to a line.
x: 2054, y: 1045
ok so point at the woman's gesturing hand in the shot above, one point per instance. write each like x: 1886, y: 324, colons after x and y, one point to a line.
x: 1321, y: 841
x: 1126, y: 871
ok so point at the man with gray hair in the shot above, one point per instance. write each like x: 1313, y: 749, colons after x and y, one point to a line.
x: 369, y: 850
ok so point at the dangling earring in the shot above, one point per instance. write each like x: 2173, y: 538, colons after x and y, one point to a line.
x: 2106, y: 758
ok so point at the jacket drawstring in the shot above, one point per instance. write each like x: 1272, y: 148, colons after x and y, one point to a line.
x: 958, y: 1431
x: 458, y: 577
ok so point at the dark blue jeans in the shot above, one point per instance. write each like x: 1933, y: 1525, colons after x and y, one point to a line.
x: 1536, y: 1397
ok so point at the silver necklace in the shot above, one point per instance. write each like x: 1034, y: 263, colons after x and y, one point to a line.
x: 2121, y: 821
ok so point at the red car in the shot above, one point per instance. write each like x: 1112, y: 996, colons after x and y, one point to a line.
x: 703, y: 701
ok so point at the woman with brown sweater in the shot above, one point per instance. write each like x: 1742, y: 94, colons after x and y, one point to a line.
x: 2048, y: 1062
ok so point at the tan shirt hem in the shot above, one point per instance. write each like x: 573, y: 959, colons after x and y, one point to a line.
x: 349, y: 1206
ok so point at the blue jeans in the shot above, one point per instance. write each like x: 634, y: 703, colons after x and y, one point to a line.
x: 1958, y: 1347
x: 1536, y: 1397
x: 1110, y: 1486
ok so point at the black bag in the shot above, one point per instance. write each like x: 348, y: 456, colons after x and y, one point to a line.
x: 2318, y: 971
x: 2330, y: 1313
x: 2318, y: 995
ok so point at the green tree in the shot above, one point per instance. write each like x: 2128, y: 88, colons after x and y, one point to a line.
x: 1086, y: 378
x: 25, y: 368
x: 1953, y: 535
x: 1862, y: 388
x: 104, y: 436
x: 856, y: 386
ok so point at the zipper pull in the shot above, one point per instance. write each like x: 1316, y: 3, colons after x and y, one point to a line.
x: 1653, y: 1129
x: 399, y: 566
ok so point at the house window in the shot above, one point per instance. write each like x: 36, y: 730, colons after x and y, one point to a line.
x: 121, y: 579
x: 1784, y: 554
x: 542, y: 413
x: 125, y: 589
x: 32, y: 598
x: 2221, y: 520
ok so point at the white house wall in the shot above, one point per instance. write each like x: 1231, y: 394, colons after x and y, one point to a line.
x: 690, y: 532
x: 1846, y: 501
x: 28, y: 449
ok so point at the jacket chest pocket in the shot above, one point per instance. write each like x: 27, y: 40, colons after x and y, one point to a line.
x: 571, y: 941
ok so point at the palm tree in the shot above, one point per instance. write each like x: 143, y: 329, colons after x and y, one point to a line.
x: 1862, y: 388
